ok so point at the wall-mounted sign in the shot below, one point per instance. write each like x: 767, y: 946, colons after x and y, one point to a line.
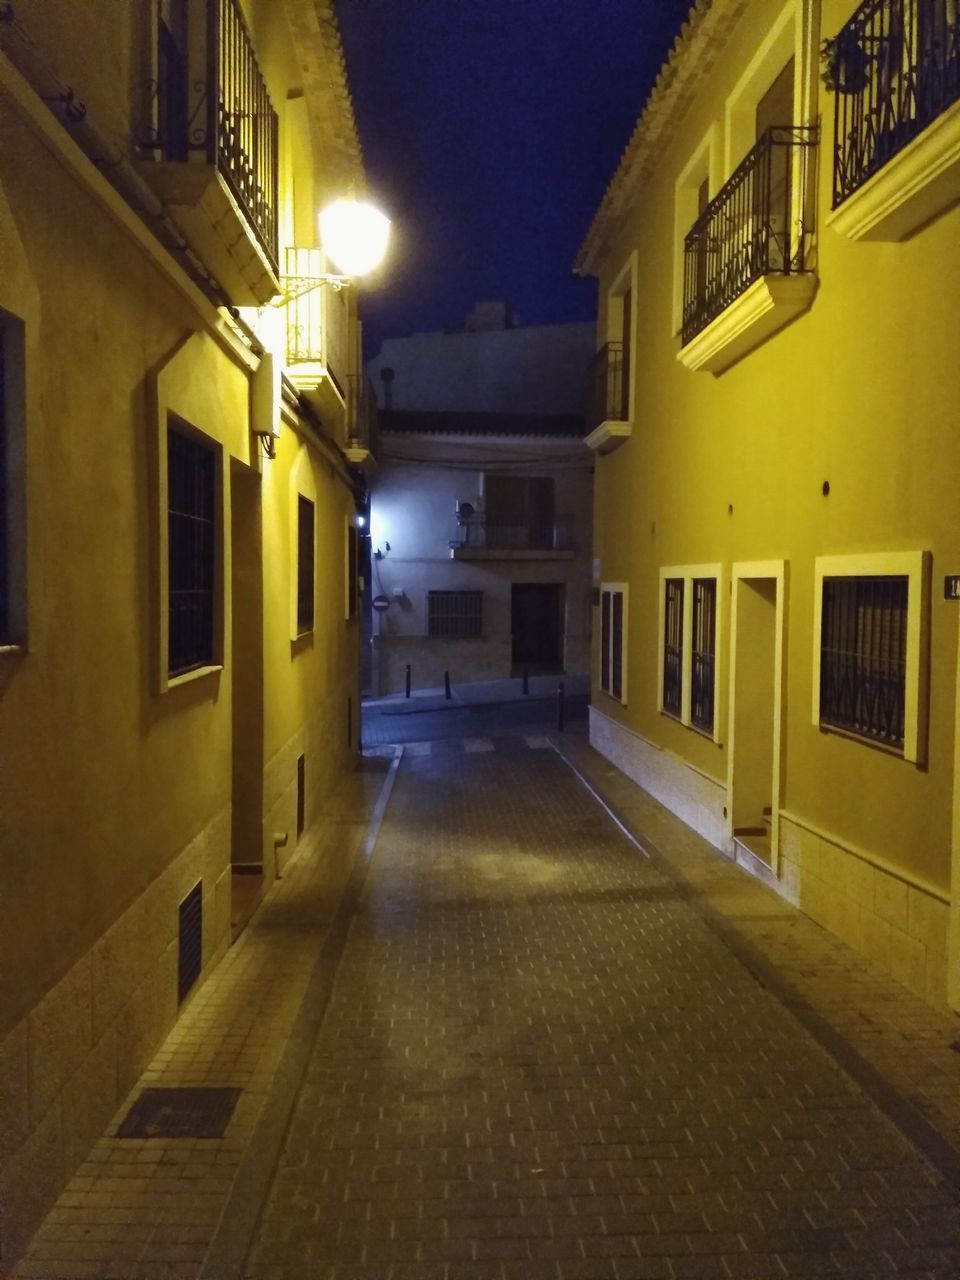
x: 951, y: 586
x: 380, y: 603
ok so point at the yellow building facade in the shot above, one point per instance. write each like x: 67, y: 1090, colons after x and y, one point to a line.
x: 180, y: 409
x: 775, y: 419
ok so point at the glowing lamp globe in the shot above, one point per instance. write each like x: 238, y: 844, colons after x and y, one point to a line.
x: 354, y: 236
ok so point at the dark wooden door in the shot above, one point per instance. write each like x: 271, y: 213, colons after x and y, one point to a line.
x: 536, y: 616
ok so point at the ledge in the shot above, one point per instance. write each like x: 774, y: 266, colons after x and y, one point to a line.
x: 609, y: 436
x: 487, y: 553
x: 920, y: 182
x: 770, y: 303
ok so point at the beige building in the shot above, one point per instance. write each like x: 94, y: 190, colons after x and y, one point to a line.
x: 775, y: 424
x: 178, y: 607
x: 480, y: 512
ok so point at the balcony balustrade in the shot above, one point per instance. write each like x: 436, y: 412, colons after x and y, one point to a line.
x: 210, y: 147
x: 752, y: 228
x: 361, y: 418
x: 895, y: 68
x: 608, y: 398
x: 482, y: 540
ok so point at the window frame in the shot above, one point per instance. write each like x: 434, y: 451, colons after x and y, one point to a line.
x: 608, y: 642
x: 916, y: 567
x: 691, y: 574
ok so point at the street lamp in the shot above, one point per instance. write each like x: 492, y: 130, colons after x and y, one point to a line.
x: 354, y: 235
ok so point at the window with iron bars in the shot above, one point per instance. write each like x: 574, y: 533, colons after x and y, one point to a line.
x: 4, y: 588
x: 673, y: 646
x: 191, y: 526
x: 305, y: 562
x: 703, y: 653
x: 863, y: 656
x: 455, y: 614
x: 612, y: 623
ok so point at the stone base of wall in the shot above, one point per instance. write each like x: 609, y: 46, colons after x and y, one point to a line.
x: 696, y: 799
x: 67, y: 1066
x: 899, y: 925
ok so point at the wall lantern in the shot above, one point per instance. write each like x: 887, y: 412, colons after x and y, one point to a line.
x: 354, y: 236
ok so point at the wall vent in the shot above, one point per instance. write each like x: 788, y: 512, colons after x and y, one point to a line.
x: 191, y: 941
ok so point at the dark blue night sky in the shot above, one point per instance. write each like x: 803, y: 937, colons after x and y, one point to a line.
x: 490, y: 131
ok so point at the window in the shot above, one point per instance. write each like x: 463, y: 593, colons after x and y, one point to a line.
x: 673, y: 646
x: 455, y: 614
x: 703, y: 654
x: 870, y: 655
x: 690, y: 598
x: 192, y: 539
x: 519, y: 512
x: 613, y: 618
x: 691, y: 195
x: 305, y: 558
x: 352, y: 569
x: 12, y: 486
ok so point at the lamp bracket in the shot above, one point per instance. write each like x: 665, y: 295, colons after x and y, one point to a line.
x: 293, y: 287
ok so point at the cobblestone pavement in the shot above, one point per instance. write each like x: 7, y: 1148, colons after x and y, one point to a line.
x: 540, y: 1060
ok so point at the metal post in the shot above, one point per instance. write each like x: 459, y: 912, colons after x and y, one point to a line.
x: 407, y: 693
x: 446, y: 686
x: 560, y: 707
x: 526, y: 680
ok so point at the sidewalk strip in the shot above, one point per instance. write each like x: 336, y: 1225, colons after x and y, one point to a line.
x: 942, y: 1153
x: 601, y: 800
x: 238, y: 1223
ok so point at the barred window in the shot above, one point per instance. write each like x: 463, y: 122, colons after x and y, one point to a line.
x: 191, y: 517
x: 305, y: 559
x: 612, y: 621
x: 863, y: 656
x: 4, y: 579
x: 703, y: 653
x: 673, y: 646
x: 455, y: 614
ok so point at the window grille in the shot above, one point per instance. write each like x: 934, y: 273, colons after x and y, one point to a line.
x: 703, y: 653
x: 611, y: 642
x: 4, y: 578
x: 863, y: 656
x: 673, y: 646
x: 305, y: 558
x: 191, y: 486
x: 190, y: 941
x: 455, y: 614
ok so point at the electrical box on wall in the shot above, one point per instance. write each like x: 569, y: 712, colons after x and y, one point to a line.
x: 265, y: 397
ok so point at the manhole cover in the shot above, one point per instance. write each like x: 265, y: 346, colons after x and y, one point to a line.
x: 180, y: 1113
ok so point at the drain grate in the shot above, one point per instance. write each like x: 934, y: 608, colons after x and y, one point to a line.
x: 180, y: 1113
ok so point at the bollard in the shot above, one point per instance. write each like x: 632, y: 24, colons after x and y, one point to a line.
x: 560, y: 707
x: 526, y: 680
x: 407, y: 694
x: 446, y: 686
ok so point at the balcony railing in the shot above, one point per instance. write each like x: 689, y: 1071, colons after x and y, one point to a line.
x: 211, y: 105
x: 895, y: 67
x: 361, y: 410
x: 609, y: 390
x: 481, y: 535
x: 750, y: 228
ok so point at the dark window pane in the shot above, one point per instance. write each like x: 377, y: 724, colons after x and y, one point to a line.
x: 4, y: 578
x: 605, y: 641
x: 191, y: 495
x: 863, y: 656
x: 673, y: 646
x: 703, y: 653
x: 305, y: 556
x: 616, y: 656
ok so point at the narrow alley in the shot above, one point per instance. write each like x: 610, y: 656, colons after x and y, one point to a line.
x: 516, y: 1020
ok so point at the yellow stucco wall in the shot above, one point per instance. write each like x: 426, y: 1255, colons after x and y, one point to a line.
x: 861, y: 391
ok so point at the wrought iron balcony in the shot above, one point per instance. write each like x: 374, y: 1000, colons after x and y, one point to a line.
x: 210, y: 109
x: 895, y: 67
x: 361, y: 418
x: 756, y: 225
x: 609, y: 387
x: 319, y: 351
x: 551, y: 540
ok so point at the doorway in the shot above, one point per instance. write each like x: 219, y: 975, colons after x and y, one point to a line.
x: 246, y: 585
x: 756, y: 667
x: 536, y: 625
